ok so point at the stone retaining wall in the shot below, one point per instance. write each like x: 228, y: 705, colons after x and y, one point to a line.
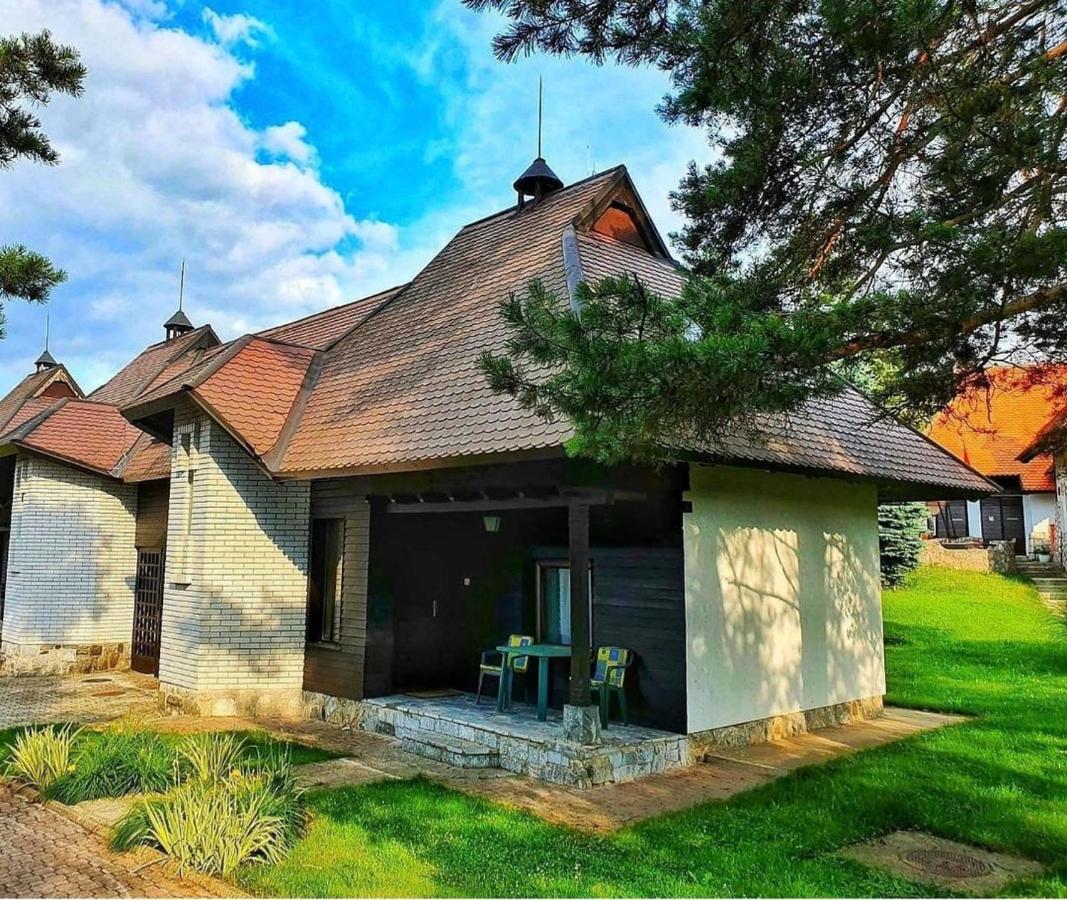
x: 999, y: 556
x: 62, y: 659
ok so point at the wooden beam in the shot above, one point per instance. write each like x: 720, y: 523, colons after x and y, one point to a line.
x: 578, y: 524
x: 566, y: 497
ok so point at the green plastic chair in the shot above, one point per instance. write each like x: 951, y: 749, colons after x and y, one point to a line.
x: 520, y: 664
x: 609, y: 680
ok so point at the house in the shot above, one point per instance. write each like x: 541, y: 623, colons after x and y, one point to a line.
x: 85, y: 497
x: 354, y: 515
x: 1051, y: 440
x: 988, y: 427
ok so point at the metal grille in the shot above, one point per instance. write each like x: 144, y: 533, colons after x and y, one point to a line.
x: 947, y: 863
x: 147, y: 612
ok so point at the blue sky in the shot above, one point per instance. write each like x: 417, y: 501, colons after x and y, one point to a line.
x: 296, y: 155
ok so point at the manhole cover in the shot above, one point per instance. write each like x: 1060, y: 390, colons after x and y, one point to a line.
x: 947, y: 863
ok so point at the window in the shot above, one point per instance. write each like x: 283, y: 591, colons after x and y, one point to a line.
x: 324, y: 580
x: 554, y: 602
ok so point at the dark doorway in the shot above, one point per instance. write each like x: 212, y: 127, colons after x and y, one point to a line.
x: 951, y: 519
x: 147, y: 612
x: 1002, y: 520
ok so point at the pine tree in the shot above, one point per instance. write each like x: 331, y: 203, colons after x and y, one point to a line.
x: 900, y: 530
x: 890, y: 181
x: 32, y: 68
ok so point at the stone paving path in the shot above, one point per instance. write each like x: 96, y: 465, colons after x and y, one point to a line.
x: 46, y: 854
x: 101, y: 697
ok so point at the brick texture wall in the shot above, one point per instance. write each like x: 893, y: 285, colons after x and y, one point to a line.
x: 72, y: 561
x: 236, y: 582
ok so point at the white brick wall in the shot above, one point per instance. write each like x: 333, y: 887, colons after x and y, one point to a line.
x: 236, y: 580
x: 72, y: 561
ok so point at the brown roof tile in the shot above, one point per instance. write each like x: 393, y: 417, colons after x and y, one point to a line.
x: 148, y: 460
x: 150, y: 364
x: 31, y: 387
x: 322, y: 329
x: 90, y: 434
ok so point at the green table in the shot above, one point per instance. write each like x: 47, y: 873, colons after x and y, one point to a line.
x: 543, y: 653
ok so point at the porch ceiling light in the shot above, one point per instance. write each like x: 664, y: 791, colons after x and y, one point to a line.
x: 492, y: 523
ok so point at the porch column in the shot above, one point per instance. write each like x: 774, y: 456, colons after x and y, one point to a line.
x: 581, y: 721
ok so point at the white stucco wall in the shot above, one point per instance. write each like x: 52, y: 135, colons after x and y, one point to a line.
x: 72, y: 560
x: 974, y: 519
x: 783, y: 603
x: 236, y: 581
x: 1061, y: 507
x: 1039, y: 511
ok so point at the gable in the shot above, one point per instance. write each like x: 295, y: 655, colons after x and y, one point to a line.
x: 619, y: 222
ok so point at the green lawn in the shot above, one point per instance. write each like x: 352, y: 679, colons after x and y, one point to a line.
x: 978, y: 644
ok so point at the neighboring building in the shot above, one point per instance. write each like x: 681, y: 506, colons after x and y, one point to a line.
x: 988, y: 427
x: 354, y: 513
x: 1052, y: 440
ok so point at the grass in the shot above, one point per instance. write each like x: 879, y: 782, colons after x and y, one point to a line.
x: 977, y: 644
x: 123, y: 760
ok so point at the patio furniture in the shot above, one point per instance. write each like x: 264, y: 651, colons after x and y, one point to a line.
x: 519, y: 664
x: 543, y: 653
x: 609, y: 679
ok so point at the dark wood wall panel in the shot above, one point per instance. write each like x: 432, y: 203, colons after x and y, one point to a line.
x: 338, y: 669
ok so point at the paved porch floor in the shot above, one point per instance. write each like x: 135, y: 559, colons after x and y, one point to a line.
x: 86, y: 699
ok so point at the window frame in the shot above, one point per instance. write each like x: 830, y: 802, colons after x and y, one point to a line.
x: 556, y: 563
x: 334, y: 639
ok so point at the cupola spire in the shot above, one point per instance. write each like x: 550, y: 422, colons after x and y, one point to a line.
x: 179, y: 323
x: 538, y: 181
x: 46, y: 360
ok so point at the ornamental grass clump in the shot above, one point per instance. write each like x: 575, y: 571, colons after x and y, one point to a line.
x: 123, y: 760
x: 41, y: 756
x: 231, y: 808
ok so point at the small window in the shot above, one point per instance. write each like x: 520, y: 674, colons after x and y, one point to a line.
x: 324, y: 580
x: 554, y: 602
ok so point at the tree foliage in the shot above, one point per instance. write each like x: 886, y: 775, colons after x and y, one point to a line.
x: 32, y: 68
x: 900, y: 530
x: 889, y: 183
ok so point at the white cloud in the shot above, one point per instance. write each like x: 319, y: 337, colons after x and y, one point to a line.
x: 288, y: 140
x: 157, y: 165
x: 237, y: 28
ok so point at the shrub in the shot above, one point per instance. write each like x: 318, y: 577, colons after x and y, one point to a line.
x: 232, y: 809
x: 122, y: 760
x: 41, y: 756
x: 900, y: 529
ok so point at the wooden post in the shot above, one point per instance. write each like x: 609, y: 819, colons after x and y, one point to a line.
x: 578, y: 521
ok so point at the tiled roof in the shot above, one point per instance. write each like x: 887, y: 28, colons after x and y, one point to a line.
x: 87, y: 433
x: 92, y: 433
x: 402, y: 387
x: 30, y: 388
x: 990, y: 428
x: 406, y: 386
x: 148, y: 460
x: 144, y: 369
x: 253, y: 391
x: 320, y: 330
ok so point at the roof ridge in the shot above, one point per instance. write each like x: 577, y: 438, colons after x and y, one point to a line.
x: 329, y: 309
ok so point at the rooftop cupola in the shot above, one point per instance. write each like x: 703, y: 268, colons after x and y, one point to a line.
x: 537, y: 182
x: 179, y: 323
x: 45, y: 361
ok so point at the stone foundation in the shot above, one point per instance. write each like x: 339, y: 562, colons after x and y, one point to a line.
x: 180, y: 701
x: 539, y: 750
x: 335, y: 710
x: 62, y: 659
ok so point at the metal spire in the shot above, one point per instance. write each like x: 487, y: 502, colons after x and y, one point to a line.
x: 540, y: 112
x: 181, y: 286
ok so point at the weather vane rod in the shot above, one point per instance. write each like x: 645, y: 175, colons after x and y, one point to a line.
x: 540, y: 111
x: 47, y: 328
x: 181, y: 286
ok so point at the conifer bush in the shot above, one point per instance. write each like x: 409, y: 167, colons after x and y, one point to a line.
x: 900, y: 530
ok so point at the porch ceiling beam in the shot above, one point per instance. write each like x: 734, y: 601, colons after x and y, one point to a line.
x: 566, y: 497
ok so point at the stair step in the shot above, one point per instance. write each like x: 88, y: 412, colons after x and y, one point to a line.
x: 451, y: 750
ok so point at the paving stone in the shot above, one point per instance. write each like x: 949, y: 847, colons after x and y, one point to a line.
x: 102, y: 697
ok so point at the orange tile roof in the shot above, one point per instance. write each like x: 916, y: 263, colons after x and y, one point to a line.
x: 32, y: 387
x: 988, y: 427
x: 322, y: 329
x: 148, y: 460
x: 253, y: 391
x: 82, y: 432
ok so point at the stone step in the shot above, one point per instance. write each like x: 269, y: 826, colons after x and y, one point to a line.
x: 451, y: 750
